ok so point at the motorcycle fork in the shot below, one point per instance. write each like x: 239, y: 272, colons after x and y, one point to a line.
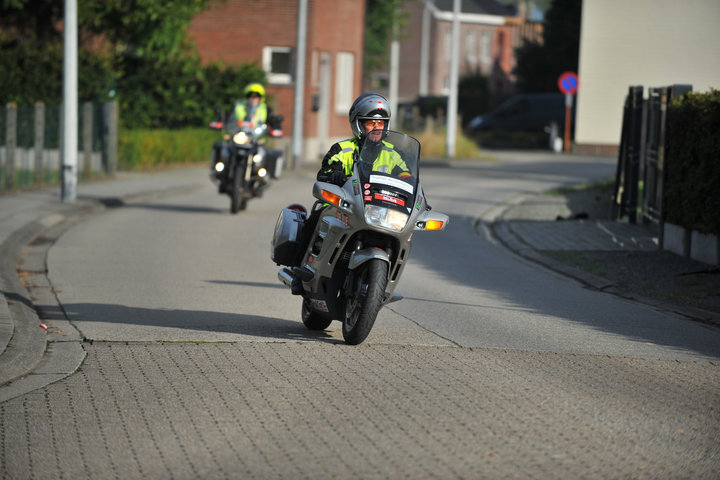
x: 248, y: 169
x: 352, y: 277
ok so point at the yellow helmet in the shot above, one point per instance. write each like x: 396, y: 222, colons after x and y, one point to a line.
x: 255, y: 88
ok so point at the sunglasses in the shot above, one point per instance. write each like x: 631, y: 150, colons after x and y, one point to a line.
x: 377, y: 123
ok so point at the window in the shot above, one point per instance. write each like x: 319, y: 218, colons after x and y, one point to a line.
x: 344, y: 81
x: 485, y: 46
x: 447, y: 44
x: 277, y: 62
x: 470, y: 47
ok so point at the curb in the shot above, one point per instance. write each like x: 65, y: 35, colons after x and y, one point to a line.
x: 30, y: 348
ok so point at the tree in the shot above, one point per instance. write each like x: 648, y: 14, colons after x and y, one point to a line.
x: 473, y: 95
x: 539, y: 64
x: 380, y: 18
x: 150, y: 29
x: 135, y: 51
x: 31, y: 51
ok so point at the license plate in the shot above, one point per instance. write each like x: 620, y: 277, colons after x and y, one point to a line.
x: 319, y: 305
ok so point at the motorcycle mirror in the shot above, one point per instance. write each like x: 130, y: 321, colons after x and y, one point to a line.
x: 219, y: 113
x: 274, y: 121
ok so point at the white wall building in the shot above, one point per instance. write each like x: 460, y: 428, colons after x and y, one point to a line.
x: 649, y: 43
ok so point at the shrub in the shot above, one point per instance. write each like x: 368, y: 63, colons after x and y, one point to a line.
x: 433, y: 145
x: 692, y: 167
x: 146, y: 149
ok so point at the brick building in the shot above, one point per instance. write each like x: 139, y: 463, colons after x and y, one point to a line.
x: 489, y: 34
x: 265, y: 32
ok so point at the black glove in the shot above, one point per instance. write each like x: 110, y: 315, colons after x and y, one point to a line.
x: 338, y: 178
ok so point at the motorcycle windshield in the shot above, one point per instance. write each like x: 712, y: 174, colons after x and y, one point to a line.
x: 388, y: 170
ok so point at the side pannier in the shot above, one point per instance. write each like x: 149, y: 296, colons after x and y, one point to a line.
x: 287, y: 238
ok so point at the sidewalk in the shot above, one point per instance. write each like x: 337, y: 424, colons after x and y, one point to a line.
x: 606, y: 255
x: 28, y: 221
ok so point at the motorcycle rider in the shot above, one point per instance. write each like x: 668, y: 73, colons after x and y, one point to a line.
x: 369, y: 118
x: 369, y: 121
x: 254, y: 109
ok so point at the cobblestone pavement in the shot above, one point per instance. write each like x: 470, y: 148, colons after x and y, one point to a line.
x: 326, y: 410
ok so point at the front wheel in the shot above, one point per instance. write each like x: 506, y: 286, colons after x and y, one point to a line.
x: 313, y: 320
x: 364, y: 301
x: 237, y: 198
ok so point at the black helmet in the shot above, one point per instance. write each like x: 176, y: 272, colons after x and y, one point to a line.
x: 369, y: 106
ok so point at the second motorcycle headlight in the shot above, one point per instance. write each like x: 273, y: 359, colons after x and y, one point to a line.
x: 385, y: 218
x: 241, y: 138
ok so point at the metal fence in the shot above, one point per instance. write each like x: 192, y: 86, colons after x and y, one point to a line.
x: 641, y: 162
x: 31, y: 141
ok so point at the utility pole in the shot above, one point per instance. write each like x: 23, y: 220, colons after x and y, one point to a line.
x: 394, y: 73
x: 452, y: 97
x: 424, y: 50
x: 297, y: 135
x: 70, y: 104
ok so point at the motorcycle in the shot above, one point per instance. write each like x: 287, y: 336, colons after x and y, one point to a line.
x: 241, y: 165
x: 361, y: 242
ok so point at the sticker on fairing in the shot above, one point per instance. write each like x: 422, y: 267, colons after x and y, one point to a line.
x: 390, y: 199
x: 393, y: 182
x: 319, y: 305
x: 343, y: 217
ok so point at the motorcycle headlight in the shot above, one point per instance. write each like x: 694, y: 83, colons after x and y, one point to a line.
x: 219, y: 167
x: 241, y: 138
x: 258, y: 158
x: 262, y: 172
x: 385, y: 218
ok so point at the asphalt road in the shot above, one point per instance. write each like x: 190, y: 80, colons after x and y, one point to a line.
x: 183, y: 269
x: 198, y: 365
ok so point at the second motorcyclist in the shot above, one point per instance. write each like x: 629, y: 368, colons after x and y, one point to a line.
x: 252, y: 109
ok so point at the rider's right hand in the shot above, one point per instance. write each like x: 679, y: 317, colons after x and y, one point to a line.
x: 338, y: 178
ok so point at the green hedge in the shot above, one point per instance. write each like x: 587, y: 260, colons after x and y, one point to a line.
x: 692, y: 167
x: 146, y: 148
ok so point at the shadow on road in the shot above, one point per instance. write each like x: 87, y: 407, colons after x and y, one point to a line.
x: 249, y: 284
x: 199, y: 321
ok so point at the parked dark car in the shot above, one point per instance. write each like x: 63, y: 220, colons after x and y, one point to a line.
x: 523, y: 121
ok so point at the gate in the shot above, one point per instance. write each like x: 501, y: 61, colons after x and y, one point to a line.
x: 641, y: 161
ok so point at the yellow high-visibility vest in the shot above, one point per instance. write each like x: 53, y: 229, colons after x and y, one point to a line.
x: 385, y: 162
x: 260, y: 116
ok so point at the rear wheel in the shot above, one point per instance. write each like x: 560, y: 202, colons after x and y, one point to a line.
x: 364, y: 301
x: 313, y: 320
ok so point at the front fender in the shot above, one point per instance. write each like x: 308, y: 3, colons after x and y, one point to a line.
x: 359, y: 257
